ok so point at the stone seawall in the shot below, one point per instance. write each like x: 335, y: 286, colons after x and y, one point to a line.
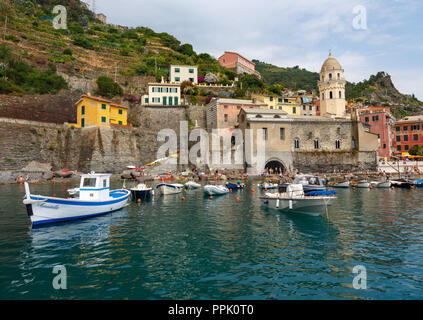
x: 339, y: 161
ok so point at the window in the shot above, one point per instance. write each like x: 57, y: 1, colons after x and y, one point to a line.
x: 155, y: 99
x: 304, y: 107
x: 104, y: 183
x: 120, y: 111
x: 375, y: 118
x: 398, y: 138
x: 265, y: 133
x: 397, y: 129
x: 316, y: 144
x: 191, y: 79
x: 120, y: 122
x: 177, y: 79
x: 191, y: 70
x: 177, y: 70
x: 384, y: 146
x: 339, y: 76
x: 103, y: 106
x: 226, y: 117
x: 405, y: 128
x: 103, y: 119
x: 406, y: 147
x: 82, y: 123
x: 398, y: 148
x: 340, y: 94
x: 271, y: 98
x: 296, y: 143
x: 280, y: 100
x: 89, y: 182
x: 330, y: 76
x: 330, y: 95
x: 176, y: 101
x: 271, y: 107
x: 337, y: 144
x: 83, y: 110
x: 406, y: 138
x: 366, y: 119
x: 415, y: 137
x: 310, y: 108
x: 282, y: 133
x: 285, y: 100
x: 294, y: 110
x: 323, y: 96
x: 146, y: 100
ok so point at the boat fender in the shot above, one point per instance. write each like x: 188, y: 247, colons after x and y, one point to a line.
x: 290, y: 204
x: 277, y: 203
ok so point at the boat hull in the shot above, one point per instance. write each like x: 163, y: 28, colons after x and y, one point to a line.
x: 52, y: 210
x: 192, y: 185
x: 341, y: 185
x: 141, y: 194
x: 170, y: 188
x: 215, y: 191
x: 309, y: 205
x: 234, y: 186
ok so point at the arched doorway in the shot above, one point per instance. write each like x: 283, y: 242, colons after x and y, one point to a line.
x: 274, y: 166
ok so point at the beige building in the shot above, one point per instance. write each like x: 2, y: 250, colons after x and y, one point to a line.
x: 101, y: 17
x: 162, y: 94
x: 332, y: 89
x: 179, y: 74
x: 300, y: 141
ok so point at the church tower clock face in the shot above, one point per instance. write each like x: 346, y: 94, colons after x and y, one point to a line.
x: 332, y: 88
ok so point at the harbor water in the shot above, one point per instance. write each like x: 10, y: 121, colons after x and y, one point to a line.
x: 197, y: 248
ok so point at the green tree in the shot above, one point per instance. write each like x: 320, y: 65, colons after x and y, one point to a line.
x: 108, y: 88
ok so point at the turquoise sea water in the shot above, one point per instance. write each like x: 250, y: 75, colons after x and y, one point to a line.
x: 217, y: 249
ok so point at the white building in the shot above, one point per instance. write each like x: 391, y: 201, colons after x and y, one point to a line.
x: 179, y: 74
x: 162, y: 94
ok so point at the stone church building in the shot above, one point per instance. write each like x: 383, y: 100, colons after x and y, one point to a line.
x: 332, y: 141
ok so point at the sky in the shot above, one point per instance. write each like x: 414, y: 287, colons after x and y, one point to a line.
x: 365, y: 36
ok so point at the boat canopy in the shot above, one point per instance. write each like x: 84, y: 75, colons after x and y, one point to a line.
x: 94, y: 186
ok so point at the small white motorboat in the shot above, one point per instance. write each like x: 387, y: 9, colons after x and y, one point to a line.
x: 364, y: 184
x: 267, y: 186
x: 95, y: 198
x: 141, y: 191
x: 192, y: 185
x: 345, y: 184
x: 170, y: 188
x: 378, y: 184
x: 295, y: 200
x: 213, y: 190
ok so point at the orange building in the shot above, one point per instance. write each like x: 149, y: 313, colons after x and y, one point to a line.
x: 237, y: 63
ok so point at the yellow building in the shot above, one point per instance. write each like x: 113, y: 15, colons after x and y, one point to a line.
x: 96, y: 111
x: 287, y: 104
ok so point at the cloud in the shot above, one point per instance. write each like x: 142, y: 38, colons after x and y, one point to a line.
x: 287, y: 33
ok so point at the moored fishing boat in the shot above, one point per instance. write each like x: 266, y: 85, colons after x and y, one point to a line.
x: 192, y: 185
x: 268, y: 186
x: 141, y: 191
x: 363, y: 184
x: 310, y: 182
x: 170, y: 188
x: 401, y: 183
x: 235, y: 186
x: 65, y: 173
x: 418, y: 183
x: 213, y: 190
x: 381, y: 184
x: 95, y: 198
x: 294, y: 199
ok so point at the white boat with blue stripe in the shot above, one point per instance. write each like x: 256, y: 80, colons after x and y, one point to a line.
x: 95, y: 198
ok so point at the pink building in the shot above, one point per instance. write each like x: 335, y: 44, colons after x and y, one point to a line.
x: 237, y: 63
x: 223, y: 113
x: 381, y: 122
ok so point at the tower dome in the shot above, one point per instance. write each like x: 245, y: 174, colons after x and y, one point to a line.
x: 331, y: 64
x: 332, y: 88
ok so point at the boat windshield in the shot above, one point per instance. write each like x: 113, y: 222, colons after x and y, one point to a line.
x: 89, y: 182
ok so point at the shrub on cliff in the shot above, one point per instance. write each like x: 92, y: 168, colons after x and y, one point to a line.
x: 106, y: 87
